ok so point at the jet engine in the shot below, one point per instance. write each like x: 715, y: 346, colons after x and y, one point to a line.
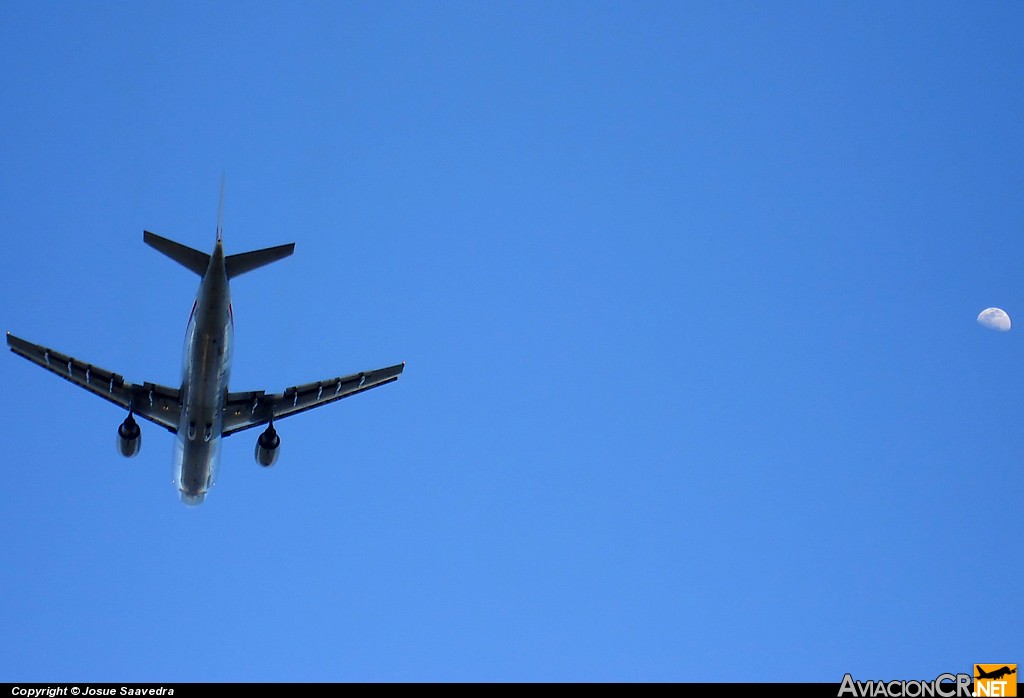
x: 129, y: 437
x: 267, y: 446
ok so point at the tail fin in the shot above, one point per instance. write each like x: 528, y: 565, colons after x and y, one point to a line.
x: 237, y: 264
x: 220, y: 210
x: 185, y: 256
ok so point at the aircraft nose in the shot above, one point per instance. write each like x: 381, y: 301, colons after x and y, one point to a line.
x: 191, y: 499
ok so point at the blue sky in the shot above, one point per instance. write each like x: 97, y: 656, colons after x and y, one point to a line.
x: 687, y: 295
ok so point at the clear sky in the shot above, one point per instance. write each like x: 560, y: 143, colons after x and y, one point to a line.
x: 687, y: 293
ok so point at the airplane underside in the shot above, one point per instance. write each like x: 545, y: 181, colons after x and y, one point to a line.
x: 203, y: 410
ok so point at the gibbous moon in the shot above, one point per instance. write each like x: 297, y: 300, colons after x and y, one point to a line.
x: 994, y: 319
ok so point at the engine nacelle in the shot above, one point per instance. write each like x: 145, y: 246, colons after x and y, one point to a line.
x: 267, y: 447
x: 129, y: 438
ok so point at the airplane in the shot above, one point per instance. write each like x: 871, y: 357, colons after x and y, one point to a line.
x: 995, y: 674
x: 202, y: 410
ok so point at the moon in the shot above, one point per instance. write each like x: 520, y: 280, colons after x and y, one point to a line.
x: 994, y: 319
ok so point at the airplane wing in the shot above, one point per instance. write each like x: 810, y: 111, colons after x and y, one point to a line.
x: 157, y: 403
x: 252, y: 409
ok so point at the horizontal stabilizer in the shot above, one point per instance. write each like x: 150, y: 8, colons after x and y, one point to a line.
x: 185, y: 256
x: 237, y: 264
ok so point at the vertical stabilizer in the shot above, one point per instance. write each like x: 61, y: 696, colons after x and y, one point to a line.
x: 220, y: 210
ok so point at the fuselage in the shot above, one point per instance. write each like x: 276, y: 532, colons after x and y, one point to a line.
x: 204, y: 383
